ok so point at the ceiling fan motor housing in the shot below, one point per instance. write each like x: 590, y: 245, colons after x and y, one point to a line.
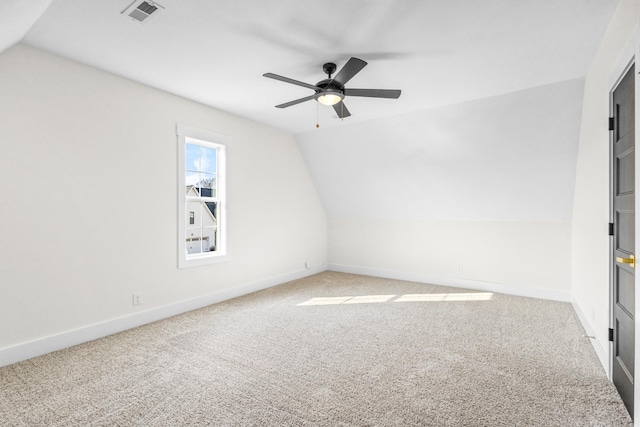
x: 328, y: 85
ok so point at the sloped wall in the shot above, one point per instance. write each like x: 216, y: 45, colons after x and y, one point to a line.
x: 474, y: 194
x: 88, y: 177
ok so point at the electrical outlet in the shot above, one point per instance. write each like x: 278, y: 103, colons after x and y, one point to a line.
x: 307, y: 264
x: 137, y: 298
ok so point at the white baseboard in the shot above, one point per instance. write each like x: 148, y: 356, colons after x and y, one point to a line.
x: 600, y: 348
x: 27, y: 350
x: 38, y: 347
x: 518, y: 290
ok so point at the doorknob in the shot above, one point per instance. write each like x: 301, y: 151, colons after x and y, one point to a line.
x: 631, y: 261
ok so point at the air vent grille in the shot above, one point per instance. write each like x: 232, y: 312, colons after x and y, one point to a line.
x: 141, y: 11
x: 147, y: 8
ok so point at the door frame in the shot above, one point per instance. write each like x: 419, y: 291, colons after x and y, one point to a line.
x: 612, y: 217
x: 623, y: 62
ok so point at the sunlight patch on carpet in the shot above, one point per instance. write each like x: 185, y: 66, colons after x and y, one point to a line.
x: 482, y: 296
x: 359, y: 299
x: 373, y: 299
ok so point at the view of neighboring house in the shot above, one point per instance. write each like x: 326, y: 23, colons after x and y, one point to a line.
x: 202, y: 225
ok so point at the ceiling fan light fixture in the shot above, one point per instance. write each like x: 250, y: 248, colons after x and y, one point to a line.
x: 329, y: 98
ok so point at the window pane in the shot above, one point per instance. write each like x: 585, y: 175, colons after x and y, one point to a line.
x: 192, y: 158
x: 192, y: 190
x: 212, y: 208
x: 194, y: 240
x: 208, y: 185
x: 209, y: 218
x: 196, y: 208
x: 208, y: 159
x: 208, y: 239
x: 192, y: 166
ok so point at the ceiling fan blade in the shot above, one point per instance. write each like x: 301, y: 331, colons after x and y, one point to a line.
x: 297, y: 101
x: 374, y: 93
x: 350, y: 69
x: 341, y: 109
x: 288, y: 80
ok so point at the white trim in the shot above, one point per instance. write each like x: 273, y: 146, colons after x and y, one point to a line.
x: 202, y: 134
x: 38, y: 347
x: 518, y: 290
x: 601, y: 351
x: 626, y: 58
x: 220, y: 142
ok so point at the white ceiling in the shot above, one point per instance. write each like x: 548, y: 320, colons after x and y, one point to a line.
x: 438, y: 51
x: 466, y: 69
x: 17, y: 17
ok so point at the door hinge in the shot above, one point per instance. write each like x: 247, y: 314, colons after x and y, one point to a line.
x: 610, y: 334
x: 610, y: 229
x: 611, y: 123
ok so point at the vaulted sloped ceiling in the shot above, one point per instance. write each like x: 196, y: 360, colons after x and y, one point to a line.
x: 486, y: 128
x: 509, y: 157
x: 17, y: 17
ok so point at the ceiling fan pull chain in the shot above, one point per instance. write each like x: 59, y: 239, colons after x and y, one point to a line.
x: 317, y: 115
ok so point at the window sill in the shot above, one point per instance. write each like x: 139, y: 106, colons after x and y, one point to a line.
x: 202, y: 260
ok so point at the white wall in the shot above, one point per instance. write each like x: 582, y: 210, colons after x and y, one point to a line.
x: 521, y: 258
x: 88, y: 171
x: 590, y: 241
x: 486, y: 185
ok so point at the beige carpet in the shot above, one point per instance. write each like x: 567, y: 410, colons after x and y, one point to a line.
x: 330, y: 350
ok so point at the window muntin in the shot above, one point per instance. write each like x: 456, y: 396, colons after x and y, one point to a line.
x: 201, y: 194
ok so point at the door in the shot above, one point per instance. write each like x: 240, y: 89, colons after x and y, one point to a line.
x: 622, y: 262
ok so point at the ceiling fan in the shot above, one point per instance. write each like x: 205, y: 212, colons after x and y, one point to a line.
x: 331, y: 91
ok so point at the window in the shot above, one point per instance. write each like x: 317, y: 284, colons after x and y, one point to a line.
x: 201, y: 197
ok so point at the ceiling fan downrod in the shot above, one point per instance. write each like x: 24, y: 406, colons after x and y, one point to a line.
x: 329, y: 68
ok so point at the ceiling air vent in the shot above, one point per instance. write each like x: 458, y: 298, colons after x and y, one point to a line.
x: 142, y: 10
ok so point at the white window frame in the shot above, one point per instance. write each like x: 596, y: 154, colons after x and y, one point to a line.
x: 205, y: 138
